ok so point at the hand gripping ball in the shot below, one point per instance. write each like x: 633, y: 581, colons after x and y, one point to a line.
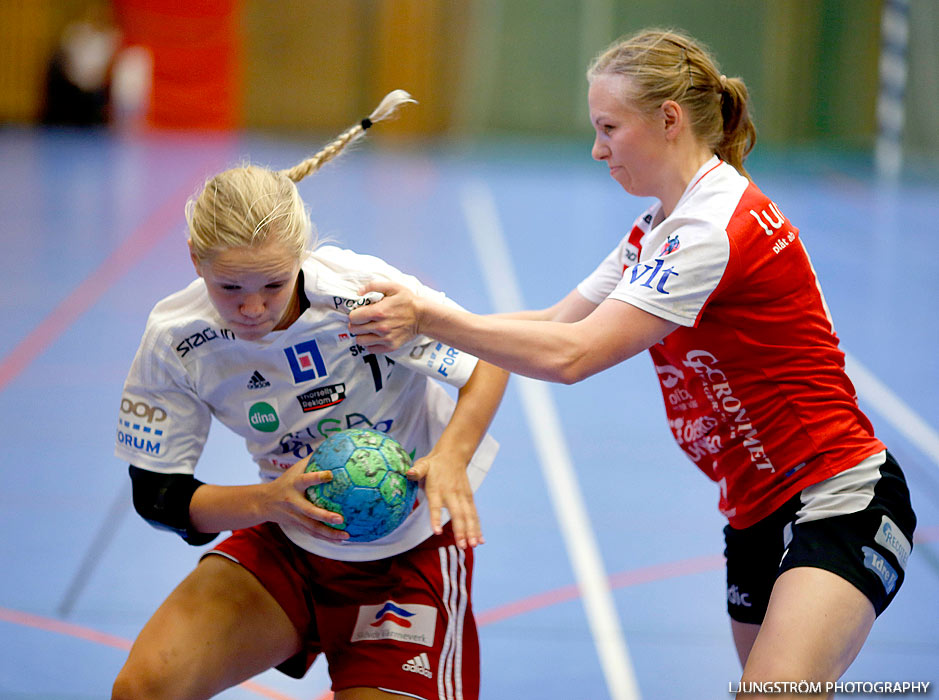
x: 369, y: 487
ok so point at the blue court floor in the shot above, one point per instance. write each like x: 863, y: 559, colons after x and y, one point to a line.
x: 93, y: 234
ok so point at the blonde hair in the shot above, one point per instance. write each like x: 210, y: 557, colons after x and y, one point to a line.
x: 669, y: 65
x: 251, y: 205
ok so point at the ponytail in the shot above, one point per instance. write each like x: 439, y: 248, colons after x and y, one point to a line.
x: 250, y: 205
x: 739, y: 132
x: 387, y: 107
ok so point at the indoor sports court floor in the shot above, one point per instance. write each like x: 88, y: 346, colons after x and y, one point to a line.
x: 602, y: 571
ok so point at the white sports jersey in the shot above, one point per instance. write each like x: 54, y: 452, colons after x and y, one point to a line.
x: 285, y: 393
x: 753, y: 379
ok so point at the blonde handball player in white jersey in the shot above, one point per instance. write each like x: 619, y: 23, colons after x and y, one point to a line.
x: 714, y: 281
x: 260, y: 343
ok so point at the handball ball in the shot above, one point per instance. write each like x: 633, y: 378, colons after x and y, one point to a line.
x: 369, y: 487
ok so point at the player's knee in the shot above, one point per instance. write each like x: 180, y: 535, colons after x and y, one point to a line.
x: 769, y: 678
x: 759, y: 669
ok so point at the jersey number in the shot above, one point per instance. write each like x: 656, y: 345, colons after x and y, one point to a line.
x: 372, y: 362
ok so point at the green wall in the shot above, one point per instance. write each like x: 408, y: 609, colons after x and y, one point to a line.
x: 811, y: 65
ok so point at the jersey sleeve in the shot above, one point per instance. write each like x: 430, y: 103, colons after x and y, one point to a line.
x: 603, y: 280
x: 677, y: 281
x: 436, y: 360
x: 162, y: 426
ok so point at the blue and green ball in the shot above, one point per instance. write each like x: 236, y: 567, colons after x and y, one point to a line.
x: 369, y: 487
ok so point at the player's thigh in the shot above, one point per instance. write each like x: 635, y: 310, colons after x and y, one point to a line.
x: 815, y: 625
x: 216, y: 629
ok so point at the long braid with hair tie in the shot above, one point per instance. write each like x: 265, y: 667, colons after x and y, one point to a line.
x: 387, y: 107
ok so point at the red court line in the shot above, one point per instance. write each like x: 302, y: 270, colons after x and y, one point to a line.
x: 266, y: 692
x: 647, y: 574
x: 130, y: 252
x: 48, y: 624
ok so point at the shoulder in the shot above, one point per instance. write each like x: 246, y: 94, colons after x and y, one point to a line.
x: 688, y: 229
x: 177, y: 308
x: 179, y: 321
x: 746, y: 216
x: 347, y: 262
x: 715, y: 196
x: 714, y: 209
x: 330, y: 270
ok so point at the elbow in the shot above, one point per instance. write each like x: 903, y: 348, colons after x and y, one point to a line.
x: 570, y: 375
x: 569, y: 368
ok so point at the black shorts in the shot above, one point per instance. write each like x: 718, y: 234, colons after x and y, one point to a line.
x: 857, y: 524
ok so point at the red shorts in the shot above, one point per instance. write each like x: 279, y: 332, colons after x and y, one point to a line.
x: 403, y: 624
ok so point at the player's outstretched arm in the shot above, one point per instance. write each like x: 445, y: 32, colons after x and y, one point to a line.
x: 564, y: 351
x: 393, y: 321
x: 444, y: 467
x: 216, y: 508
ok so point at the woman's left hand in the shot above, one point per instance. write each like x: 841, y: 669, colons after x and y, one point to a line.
x: 447, y: 486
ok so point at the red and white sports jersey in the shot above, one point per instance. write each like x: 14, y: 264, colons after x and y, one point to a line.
x: 753, y: 380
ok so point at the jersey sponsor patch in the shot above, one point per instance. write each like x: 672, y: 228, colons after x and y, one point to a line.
x: 442, y: 357
x: 404, y: 622
x: 133, y: 436
x: 773, y: 223
x: 206, y: 335
x: 262, y: 415
x: 880, y: 566
x: 890, y: 537
x: 141, y: 411
x: 669, y: 375
x: 322, y: 397
x: 651, y: 276
x: 347, y: 304
x: 671, y: 245
x: 736, y: 597
x: 306, y: 361
x: 139, y: 425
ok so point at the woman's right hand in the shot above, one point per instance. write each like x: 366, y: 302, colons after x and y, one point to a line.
x: 285, y: 503
x: 389, y: 323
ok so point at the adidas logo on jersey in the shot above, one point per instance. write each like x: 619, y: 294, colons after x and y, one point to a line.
x: 257, y: 381
x: 419, y: 664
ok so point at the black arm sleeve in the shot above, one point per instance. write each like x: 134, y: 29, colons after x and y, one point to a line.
x: 163, y: 501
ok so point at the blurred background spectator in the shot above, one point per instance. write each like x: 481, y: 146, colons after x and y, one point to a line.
x: 78, y: 81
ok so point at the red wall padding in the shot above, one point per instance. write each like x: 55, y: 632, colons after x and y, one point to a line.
x: 196, y: 59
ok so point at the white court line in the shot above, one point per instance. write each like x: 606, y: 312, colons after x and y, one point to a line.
x: 547, y: 433
x: 892, y: 408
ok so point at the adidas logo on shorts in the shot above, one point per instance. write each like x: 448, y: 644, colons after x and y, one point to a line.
x: 258, y: 381
x: 419, y: 664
